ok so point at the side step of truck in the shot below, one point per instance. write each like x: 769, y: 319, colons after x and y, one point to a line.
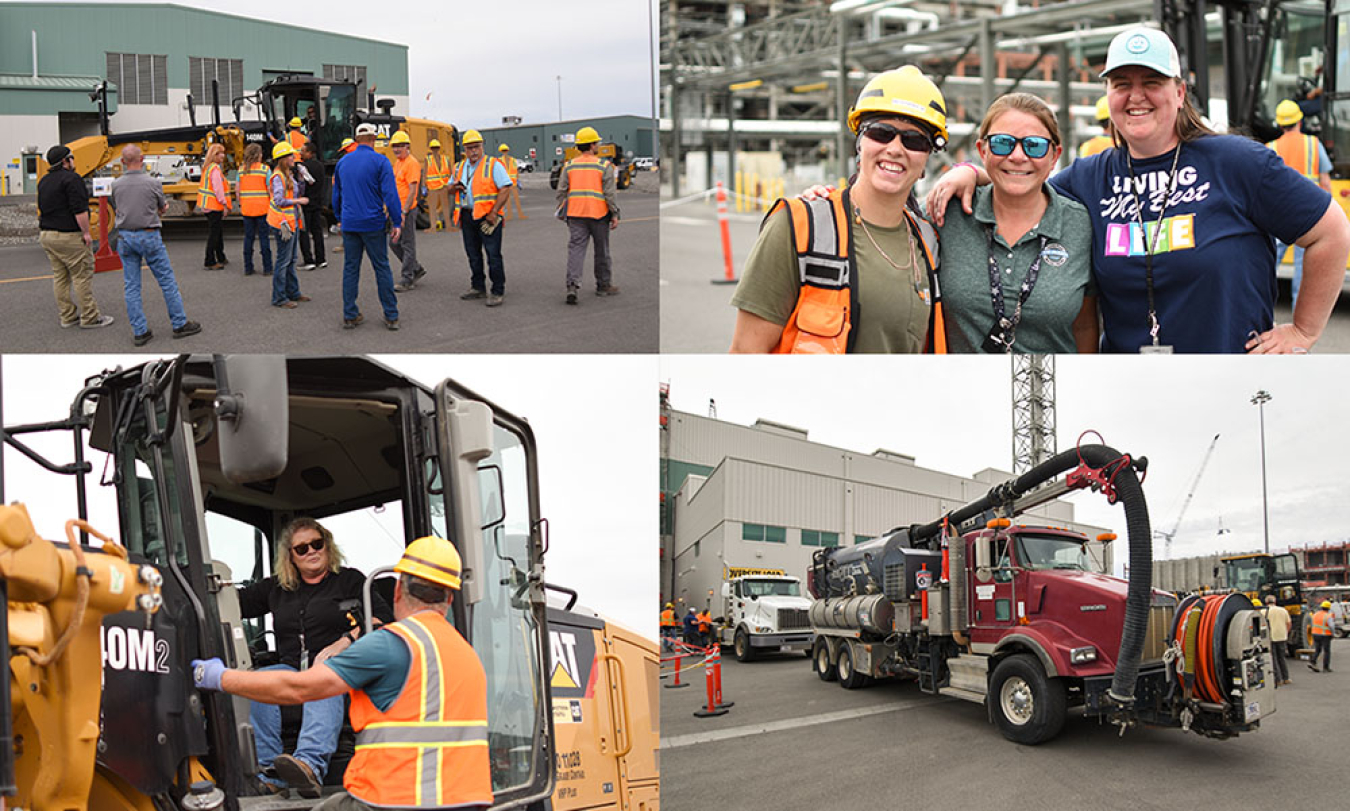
x: 969, y: 674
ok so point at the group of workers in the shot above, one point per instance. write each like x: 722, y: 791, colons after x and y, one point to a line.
x: 1164, y: 241
x: 417, y: 689
x: 696, y: 626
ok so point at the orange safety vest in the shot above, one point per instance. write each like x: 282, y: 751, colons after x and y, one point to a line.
x: 1321, y: 623
x: 438, y: 171
x: 430, y: 748
x: 253, y: 190
x: 297, y: 139
x: 511, y: 168
x: 668, y: 618
x: 276, y: 216
x: 586, y: 187
x: 704, y: 621
x: 1092, y: 146
x: 206, y: 198
x: 1299, y: 151
x: 827, y: 307
x: 484, y: 188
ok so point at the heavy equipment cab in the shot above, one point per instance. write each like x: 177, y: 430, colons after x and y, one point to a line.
x: 328, y: 107
x: 210, y: 458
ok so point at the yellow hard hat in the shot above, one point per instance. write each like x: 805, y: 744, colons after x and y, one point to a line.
x: 587, y: 135
x: 1287, y: 112
x: 295, y: 122
x: 1103, y: 109
x: 503, y: 148
x: 904, y: 92
x: 1256, y: 602
x: 434, y: 144
x: 346, y: 143
x: 1326, y: 604
x: 670, y: 605
x: 281, y: 150
x: 472, y: 137
x: 432, y: 559
x: 400, y: 137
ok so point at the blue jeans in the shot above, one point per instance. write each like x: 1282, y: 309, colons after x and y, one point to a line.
x: 135, y: 246
x: 257, y: 227
x: 1298, y: 267
x: 318, y: 732
x: 475, y: 243
x: 373, y: 243
x: 285, y: 287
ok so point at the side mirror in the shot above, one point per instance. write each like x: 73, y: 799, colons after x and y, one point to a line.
x: 252, y: 412
x: 983, y: 556
x: 726, y: 589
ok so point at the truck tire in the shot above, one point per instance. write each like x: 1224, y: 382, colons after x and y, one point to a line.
x: 1295, y: 636
x: 820, y: 660
x: 741, y: 646
x: 1029, y: 707
x: 849, y: 677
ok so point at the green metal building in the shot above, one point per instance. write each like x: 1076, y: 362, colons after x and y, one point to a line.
x: 153, y: 56
x: 634, y: 135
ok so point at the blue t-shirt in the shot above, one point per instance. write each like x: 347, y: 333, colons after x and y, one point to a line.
x: 377, y: 663
x: 1214, y: 265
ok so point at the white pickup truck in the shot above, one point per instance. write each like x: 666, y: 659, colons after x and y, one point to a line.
x: 763, y: 610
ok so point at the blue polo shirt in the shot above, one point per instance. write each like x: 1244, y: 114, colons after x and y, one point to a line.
x: 377, y: 664
x: 364, y: 193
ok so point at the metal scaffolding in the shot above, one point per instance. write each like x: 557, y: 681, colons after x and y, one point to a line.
x: 1033, y: 397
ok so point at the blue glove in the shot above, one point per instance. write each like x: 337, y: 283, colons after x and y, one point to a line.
x: 206, y: 673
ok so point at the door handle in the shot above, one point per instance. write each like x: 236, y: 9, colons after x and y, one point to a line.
x: 623, y: 705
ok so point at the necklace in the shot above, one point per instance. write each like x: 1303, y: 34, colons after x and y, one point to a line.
x: 1151, y: 246
x: 913, y: 258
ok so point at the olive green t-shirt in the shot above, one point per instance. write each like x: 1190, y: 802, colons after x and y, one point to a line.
x: 892, y: 316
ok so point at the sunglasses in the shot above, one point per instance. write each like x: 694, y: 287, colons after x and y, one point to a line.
x: 1033, y: 146
x: 912, y: 140
x: 302, y: 549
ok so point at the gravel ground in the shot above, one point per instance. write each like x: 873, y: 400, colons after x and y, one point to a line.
x: 18, y: 224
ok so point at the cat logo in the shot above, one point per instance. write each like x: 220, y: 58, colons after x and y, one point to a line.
x: 573, y: 658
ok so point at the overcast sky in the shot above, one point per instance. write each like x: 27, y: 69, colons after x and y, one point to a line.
x: 955, y: 415
x: 469, y: 64
x: 594, y: 420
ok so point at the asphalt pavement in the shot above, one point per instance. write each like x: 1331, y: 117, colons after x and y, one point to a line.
x: 237, y: 317
x: 794, y: 742
x: 696, y: 315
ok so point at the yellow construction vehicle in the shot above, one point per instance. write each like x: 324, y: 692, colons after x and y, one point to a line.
x: 607, y: 151
x: 1259, y: 575
x: 210, y: 457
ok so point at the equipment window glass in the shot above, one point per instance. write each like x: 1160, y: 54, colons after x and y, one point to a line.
x: 1002, y: 610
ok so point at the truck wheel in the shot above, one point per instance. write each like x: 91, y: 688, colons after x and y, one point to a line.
x: 744, y: 653
x: 1028, y: 707
x: 820, y: 661
x: 849, y: 677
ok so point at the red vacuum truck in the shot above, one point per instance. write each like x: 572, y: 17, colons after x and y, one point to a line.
x: 1015, y: 616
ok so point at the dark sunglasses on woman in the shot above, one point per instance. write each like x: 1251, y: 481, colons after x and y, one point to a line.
x: 1033, y: 146
x: 912, y: 140
x: 302, y: 549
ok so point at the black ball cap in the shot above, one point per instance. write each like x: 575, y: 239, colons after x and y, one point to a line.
x: 57, y: 154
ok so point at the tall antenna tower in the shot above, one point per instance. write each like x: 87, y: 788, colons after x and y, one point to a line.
x: 1033, y: 398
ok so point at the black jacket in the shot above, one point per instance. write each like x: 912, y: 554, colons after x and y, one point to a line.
x: 308, y: 617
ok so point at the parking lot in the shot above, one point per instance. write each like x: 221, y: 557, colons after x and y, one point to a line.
x: 236, y: 316
x: 793, y: 741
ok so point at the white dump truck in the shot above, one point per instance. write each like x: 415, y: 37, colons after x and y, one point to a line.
x: 763, y: 610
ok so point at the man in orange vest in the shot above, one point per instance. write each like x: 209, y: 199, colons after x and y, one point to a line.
x: 586, y: 199
x: 669, y: 626
x: 296, y: 137
x: 705, y: 627
x: 438, y: 183
x: 483, y: 186
x: 418, y: 693
x: 1305, y: 155
x: 1323, y: 626
x: 512, y: 169
x: 407, y: 179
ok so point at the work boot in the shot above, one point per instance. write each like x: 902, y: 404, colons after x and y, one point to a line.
x: 403, y: 287
x: 298, y: 774
x: 607, y: 290
x: 1313, y: 668
x: 391, y: 324
x: 494, y: 300
x: 571, y: 295
x: 353, y: 323
x: 474, y: 293
x: 143, y: 338
x: 188, y: 328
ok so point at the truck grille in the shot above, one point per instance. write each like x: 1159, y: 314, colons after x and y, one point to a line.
x: 793, y: 618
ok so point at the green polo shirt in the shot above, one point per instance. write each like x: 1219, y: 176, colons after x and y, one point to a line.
x: 1065, y: 275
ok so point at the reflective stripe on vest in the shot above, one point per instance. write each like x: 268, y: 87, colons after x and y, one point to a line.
x: 512, y: 170
x: 253, y: 190
x: 1321, y: 623
x: 823, y: 322
x: 1299, y: 152
x: 586, y: 187
x: 206, y: 198
x: 668, y: 617
x: 484, y: 188
x: 430, y: 748
x: 277, y: 216
x: 438, y: 171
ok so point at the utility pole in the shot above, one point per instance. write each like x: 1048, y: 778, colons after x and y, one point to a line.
x: 1259, y: 400
x: 559, y: 78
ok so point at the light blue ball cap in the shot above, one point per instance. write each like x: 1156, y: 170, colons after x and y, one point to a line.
x: 1143, y: 46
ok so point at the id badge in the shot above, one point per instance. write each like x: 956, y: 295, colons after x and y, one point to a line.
x: 996, y: 340
x: 1150, y: 349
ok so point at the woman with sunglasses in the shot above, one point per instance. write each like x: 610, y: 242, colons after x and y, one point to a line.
x: 305, y: 596
x: 1183, y: 220
x: 1017, y: 272
x: 854, y: 272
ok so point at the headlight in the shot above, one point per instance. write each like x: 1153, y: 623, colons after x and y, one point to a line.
x: 762, y: 629
x: 1080, y: 656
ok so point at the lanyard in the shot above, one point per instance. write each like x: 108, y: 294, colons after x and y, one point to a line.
x: 1151, y: 246
x: 996, y: 289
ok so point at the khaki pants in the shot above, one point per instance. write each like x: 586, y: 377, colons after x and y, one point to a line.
x: 438, y: 204
x: 72, y: 265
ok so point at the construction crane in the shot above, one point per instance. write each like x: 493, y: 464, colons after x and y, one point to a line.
x: 1190, y: 493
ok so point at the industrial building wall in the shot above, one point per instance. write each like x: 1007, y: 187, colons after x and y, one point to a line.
x: 696, y: 544
x: 17, y: 134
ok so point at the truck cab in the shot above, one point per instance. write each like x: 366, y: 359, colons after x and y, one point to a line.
x: 763, y: 613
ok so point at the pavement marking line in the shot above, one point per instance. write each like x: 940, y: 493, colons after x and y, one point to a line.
x: 795, y: 723
x: 26, y: 279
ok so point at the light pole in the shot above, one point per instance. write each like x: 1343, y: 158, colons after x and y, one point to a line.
x: 559, y: 78
x: 1259, y: 400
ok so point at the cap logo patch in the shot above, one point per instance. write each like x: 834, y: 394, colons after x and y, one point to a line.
x: 1137, y: 44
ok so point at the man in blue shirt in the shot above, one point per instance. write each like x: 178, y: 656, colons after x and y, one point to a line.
x: 365, y: 200
x: 483, y: 190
